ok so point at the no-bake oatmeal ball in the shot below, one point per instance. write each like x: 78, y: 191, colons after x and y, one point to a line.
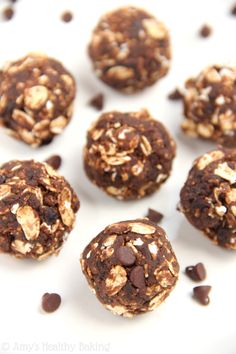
x: 208, y: 198
x: 210, y: 105
x: 37, y: 209
x: 36, y: 98
x: 128, y: 155
x: 130, y: 266
x: 130, y: 49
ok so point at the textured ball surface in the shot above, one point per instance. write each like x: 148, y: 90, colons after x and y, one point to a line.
x: 36, y: 97
x: 130, y: 266
x: 37, y: 209
x: 210, y: 105
x: 130, y: 49
x: 208, y: 198
x: 128, y: 155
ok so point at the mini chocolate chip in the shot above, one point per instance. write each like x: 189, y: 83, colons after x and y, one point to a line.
x: 125, y: 255
x: 205, y: 31
x: 233, y: 10
x: 175, y: 95
x: 50, y: 215
x: 197, y: 272
x: 200, y: 293
x: 154, y: 215
x: 2, y: 179
x: 54, y: 161
x: 8, y: 13
x: 51, y: 302
x: 67, y: 16
x: 137, y: 277
x: 97, y: 101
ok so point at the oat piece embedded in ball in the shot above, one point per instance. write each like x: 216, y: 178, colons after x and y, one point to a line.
x: 130, y: 266
x: 130, y: 49
x: 208, y: 198
x: 36, y: 97
x: 210, y: 105
x: 37, y: 209
x: 128, y: 155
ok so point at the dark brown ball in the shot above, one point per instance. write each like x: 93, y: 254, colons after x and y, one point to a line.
x: 130, y: 49
x: 130, y: 266
x: 128, y: 155
x: 208, y: 198
x: 210, y: 105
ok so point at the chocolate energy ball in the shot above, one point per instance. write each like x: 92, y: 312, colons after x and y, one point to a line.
x: 130, y: 266
x: 37, y: 209
x: 210, y: 105
x: 130, y: 49
x: 208, y: 198
x: 36, y: 97
x: 128, y: 155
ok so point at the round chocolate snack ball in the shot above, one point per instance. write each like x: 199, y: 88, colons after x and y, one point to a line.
x: 130, y: 266
x: 36, y: 98
x: 208, y: 198
x: 37, y: 209
x: 130, y: 49
x: 210, y: 105
x: 128, y: 155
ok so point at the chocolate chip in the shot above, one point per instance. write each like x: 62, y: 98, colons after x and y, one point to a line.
x: 175, y: 95
x: 97, y: 101
x: 2, y: 179
x: 200, y: 293
x: 67, y: 16
x: 125, y: 255
x: 233, y: 10
x: 50, y: 215
x: 205, y: 31
x: 154, y: 215
x: 137, y: 277
x: 197, y: 272
x: 54, y: 161
x: 51, y: 302
x: 8, y: 13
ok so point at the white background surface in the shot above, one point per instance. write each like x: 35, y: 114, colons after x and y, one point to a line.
x: 81, y: 324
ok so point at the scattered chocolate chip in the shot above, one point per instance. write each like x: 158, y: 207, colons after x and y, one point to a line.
x: 137, y: 277
x: 2, y: 179
x: 13, y: 1
x: 175, y: 95
x: 97, y: 101
x: 8, y: 13
x: 205, y: 31
x: 197, y: 272
x: 51, y: 302
x: 54, y: 161
x: 125, y: 255
x: 200, y: 293
x: 233, y: 10
x: 50, y: 215
x: 154, y: 215
x: 67, y: 16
